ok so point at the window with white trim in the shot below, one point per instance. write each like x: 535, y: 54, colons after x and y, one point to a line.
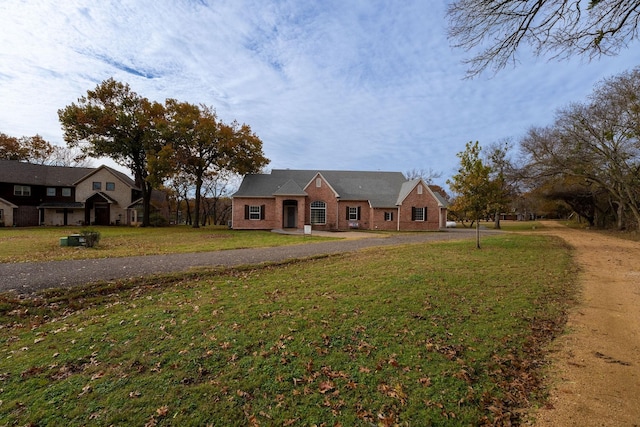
x: 254, y: 212
x: 21, y: 190
x: 419, y: 189
x: 388, y: 216
x: 318, y: 212
x: 418, y: 214
x: 353, y: 214
x: 318, y: 182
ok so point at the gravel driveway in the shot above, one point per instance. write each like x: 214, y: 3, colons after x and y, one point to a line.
x: 33, y: 276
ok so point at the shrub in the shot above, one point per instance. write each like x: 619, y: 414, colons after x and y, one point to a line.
x: 157, y: 220
x: 91, y: 237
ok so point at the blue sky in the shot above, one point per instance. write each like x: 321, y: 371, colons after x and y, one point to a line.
x: 332, y: 84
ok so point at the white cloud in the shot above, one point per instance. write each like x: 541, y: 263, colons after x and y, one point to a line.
x: 344, y: 85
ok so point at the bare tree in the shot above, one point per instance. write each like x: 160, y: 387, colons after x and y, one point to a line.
x: 597, y: 143
x: 427, y: 176
x: 216, y: 189
x: 562, y: 28
x: 67, y: 156
x: 182, y: 187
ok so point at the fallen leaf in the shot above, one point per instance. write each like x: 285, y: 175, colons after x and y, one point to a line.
x: 97, y: 376
x: 426, y: 381
x: 85, y: 390
x: 326, y: 386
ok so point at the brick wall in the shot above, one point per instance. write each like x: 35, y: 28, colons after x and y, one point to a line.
x: 363, y: 223
x: 269, y: 222
x: 319, y: 190
x: 378, y: 222
x: 414, y: 199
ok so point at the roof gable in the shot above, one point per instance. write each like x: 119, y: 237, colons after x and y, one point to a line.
x: 117, y: 174
x: 290, y: 188
x: 442, y: 202
x: 317, y: 176
x: 409, y: 186
x: 7, y: 203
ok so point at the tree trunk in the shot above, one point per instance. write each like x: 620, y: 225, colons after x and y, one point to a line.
x: 188, y: 220
x: 497, y: 221
x: 146, y: 204
x: 477, y: 234
x: 196, y: 208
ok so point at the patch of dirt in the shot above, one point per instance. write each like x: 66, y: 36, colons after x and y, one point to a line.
x: 596, y: 365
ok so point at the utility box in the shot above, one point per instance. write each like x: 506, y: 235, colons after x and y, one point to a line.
x: 75, y: 240
x: 64, y: 241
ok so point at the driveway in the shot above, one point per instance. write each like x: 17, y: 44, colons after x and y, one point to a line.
x: 30, y: 277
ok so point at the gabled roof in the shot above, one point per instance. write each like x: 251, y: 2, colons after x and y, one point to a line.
x: 121, y: 176
x: 290, y: 188
x: 14, y: 172
x: 441, y: 200
x: 407, y: 187
x: 381, y: 189
x: 319, y: 176
x: 103, y: 196
x: 7, y: 203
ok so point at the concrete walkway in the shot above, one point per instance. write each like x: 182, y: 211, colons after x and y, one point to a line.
x: 29, y: 277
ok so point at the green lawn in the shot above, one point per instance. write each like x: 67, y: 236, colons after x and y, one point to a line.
x: 43, y: 243
x: 429, y: 334
x: 515, y: 225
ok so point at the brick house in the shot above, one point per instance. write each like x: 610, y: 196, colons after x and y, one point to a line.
x: 337, y: 200
x: 55, y: 195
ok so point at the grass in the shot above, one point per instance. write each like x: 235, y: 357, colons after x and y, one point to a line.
x: 516, y: 225
x: 429, y: 334
x: 43, y: 244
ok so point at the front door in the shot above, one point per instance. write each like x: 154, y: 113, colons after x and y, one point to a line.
x: 102, y: 213
x: 291, y: 217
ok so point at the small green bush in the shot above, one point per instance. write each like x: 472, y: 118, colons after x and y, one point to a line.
x: 157, y: 220
x: 91, y: 237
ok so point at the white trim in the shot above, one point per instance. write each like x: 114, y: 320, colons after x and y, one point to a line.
x: 313, y: 180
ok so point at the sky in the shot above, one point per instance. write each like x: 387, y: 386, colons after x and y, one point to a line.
x: 328, y: 84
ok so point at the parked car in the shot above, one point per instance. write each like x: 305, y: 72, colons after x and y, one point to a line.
x: 451, y: 224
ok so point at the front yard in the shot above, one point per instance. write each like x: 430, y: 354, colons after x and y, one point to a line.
x: 428, y: 334
x: 43, y: 243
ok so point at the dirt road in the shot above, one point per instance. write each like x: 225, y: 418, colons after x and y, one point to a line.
x: 596, y: 365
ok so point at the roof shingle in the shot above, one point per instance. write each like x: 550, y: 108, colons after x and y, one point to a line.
x: 381, y: 189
